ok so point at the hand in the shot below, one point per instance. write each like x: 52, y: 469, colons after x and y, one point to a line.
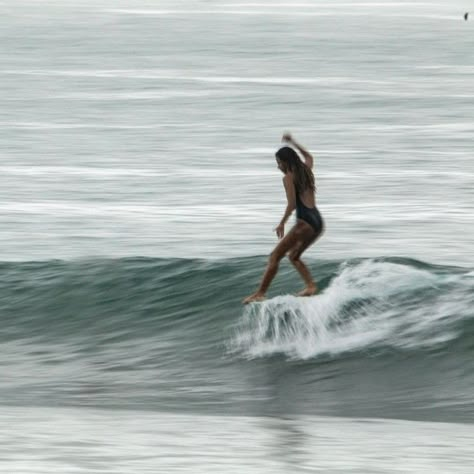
x: 287, y: 137
x: 280, y: 230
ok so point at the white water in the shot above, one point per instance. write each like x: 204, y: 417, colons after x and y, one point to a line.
x: 90, y: 441
x: 367, y: 305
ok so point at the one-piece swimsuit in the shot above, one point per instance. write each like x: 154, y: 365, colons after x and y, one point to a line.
x: 310, y: 215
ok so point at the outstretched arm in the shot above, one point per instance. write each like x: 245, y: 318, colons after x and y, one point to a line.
x: 308, y: 157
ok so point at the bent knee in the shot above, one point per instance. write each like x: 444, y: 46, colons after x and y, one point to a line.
x: 294, y: 256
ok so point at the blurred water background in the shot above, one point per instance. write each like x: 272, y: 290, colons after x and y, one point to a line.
x: 138, y: 197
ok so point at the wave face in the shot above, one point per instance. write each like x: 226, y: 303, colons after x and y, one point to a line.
x: 171, y: 333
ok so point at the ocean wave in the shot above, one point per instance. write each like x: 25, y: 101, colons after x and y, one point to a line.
x: 171, y: 334
x: 367, y: 305
x: 364, y: 304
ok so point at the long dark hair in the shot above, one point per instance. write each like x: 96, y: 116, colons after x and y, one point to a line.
x: 303, y: 175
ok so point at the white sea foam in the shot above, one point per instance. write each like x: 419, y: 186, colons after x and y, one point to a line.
x: 77, y: 171
x: 329, y: 5
x: 65, y: 126
x: 86, y: 439
x: 101, y: 73
x: 275, y: 9
x: 451, y: 68
x: 363, y: 307
x: 187, y: 13
x: 182, y: 75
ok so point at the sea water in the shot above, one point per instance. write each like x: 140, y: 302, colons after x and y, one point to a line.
x: 138, y: 197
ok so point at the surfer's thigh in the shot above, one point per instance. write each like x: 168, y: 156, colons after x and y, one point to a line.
x: 288, y: 242
x: 307, y: 238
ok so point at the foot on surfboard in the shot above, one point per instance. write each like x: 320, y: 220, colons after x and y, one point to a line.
x: 309, y: 291
x: 252, y: 298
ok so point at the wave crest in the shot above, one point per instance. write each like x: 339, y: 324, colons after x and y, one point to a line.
x: 368, y: 305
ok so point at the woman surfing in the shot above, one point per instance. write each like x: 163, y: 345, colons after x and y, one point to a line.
x: 300, y: 189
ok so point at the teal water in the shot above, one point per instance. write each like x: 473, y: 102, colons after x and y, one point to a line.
x: 138, y: 197
x: 121, y: 334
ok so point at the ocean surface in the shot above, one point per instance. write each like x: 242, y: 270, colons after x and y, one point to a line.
x: 138, y: 198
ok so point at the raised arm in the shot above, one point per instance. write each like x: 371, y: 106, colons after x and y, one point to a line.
x: 308, y: 157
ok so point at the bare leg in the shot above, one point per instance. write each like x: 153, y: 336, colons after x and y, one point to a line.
x: 281, y: 249
x: 294, y: 256
x: 268, y: 276
x: 311, y: 288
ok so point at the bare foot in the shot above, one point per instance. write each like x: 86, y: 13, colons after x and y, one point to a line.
x: 309, y: 291
x: 255, y: 297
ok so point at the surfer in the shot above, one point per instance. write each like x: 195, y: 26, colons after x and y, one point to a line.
x: 300, y: 188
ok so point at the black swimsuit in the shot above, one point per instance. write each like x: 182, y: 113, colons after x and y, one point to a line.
x: 310, y: 215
